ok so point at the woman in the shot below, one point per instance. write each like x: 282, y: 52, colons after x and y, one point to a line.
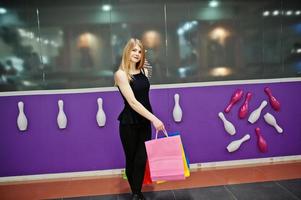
x: 136, y: 117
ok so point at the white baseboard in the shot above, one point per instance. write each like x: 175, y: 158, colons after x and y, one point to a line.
x: 100, y: 173
x: 255, y: 161
x: 83, y: 174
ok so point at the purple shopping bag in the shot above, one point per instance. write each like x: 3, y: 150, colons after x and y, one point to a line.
x: 165, y: 158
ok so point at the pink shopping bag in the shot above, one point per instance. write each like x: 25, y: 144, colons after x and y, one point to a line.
x: 165, y: 158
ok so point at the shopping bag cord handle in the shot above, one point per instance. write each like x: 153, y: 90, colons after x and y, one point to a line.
x: 164, y: 131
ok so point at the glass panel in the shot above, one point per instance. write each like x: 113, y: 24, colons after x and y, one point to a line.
x: 146, y: 22
x: 231, y: 40
x: 19, y: 53
x: 272, y: 36
x: 221, y: 42
x: 291, y: 38
x: 77, y: 44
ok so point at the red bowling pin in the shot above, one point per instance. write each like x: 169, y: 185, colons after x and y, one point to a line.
x: 243, y: 111
x: 273, y: 101
x: 234, y: 99
x: 262, y: 144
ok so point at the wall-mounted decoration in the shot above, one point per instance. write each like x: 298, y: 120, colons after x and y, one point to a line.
x: 100, y: 116
x: 270, y: 119
x: 177, y: 112
x: 254, y: 116
x: 229, y: 127
x: 22, y: 121
x: 237, y: 95
x: 234, y: 145
x: 273, y: 101
x: 261, y: 143
x: 244, y: 109
x: 61, y: 117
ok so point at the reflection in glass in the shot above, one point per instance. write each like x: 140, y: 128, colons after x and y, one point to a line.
x: 79, y: 45
x: 219, y: 34
x: 221, y: 71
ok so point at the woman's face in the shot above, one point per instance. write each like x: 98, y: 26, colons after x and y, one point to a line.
x: 135, y: 55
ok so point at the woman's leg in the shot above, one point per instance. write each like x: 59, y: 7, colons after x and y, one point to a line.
x: 143, y: 134
x: 133, y: 138
x: 129, y: 142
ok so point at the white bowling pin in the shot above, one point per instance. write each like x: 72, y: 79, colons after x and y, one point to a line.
x: 270, y: 119
x: 177, y: 110
x: 254, y: 116
x: 100, y: 116
x: 234, y: 145
x: 61, y: 117
x: 229, y: 127
x: 21, y: 120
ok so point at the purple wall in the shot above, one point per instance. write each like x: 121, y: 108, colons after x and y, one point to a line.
x: 83, y: 146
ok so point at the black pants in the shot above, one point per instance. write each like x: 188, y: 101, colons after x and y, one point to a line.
x: 133, y: 137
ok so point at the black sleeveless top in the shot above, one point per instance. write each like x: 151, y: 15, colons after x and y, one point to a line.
x: 140, y: 86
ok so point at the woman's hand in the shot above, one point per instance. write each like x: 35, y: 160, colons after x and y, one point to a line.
x: 158, y: 124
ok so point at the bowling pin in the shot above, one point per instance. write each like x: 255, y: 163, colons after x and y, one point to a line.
x: 177, y: 110
x: 61, y: 117
x: 254, y: 116
x: 100, y: 116
x: 273, y: 101
x: 234, y: 145
x: 261, y: 143
x: 229, y: 127
x: 22, y: 119
x: 270, y: 119
x: 234, y: 99
x: 243, y: 111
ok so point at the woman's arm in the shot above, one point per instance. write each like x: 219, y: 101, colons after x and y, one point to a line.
x: 126, y: 90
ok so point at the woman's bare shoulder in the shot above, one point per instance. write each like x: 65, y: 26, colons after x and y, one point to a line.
x: 120, y: 75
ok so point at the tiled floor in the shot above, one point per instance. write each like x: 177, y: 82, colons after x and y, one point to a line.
x: 273, y: 181
x: 275, y: 190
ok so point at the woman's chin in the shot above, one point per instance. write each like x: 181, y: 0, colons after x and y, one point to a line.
x: 135, y: 60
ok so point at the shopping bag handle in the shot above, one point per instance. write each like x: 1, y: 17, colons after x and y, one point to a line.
x: 164, y: 131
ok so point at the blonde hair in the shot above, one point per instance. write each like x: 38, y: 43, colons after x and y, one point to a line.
x: 125, y: 64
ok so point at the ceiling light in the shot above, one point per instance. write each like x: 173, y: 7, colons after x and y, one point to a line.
x: 276, y: 12
x: 106, y: 7
x: 289, y: 12
x: 213, y: 3
x: 3, y: 10
x: 266, y: 13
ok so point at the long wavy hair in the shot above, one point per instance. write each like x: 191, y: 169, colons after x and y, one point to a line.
x: 125, y: 64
